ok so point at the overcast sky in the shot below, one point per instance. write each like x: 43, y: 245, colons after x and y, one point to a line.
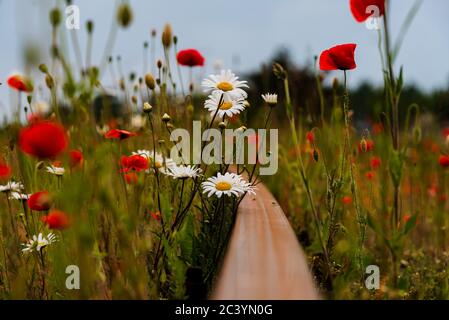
x: 248, y: 29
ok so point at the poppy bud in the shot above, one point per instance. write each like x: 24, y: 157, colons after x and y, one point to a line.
x: 159, y: 63
x: 149, y: 81
x: 134, y: 99
x: 417, y: 134
x: 122, y: 84
x: 315, y: 155
x: 166, y: 117
x: 147, y: 108
x: 222, y: 125
x: 145, y: 44
x: 363, y: 145
x: 90, y: 26
x: 124, y: 15
x: 279, y: 71
x: 49, y: 81
x: 191, y: 86
x: 167, y: 36
x: 29, y: 99
x: 43, y: 68
x: 55, y: 17
x: 153, y: 33
x: 190, y: 109
x: 175, y: 40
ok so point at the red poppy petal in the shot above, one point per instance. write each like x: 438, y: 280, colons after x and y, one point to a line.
x: 326, y: 62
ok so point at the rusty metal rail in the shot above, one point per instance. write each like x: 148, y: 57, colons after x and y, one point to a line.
x: 264, y: 259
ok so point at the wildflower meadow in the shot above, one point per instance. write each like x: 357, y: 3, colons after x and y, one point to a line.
x: 165, y: 183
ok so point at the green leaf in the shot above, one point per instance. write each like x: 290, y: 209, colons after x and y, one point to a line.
x: 396, y: 166
x: 411, y: 223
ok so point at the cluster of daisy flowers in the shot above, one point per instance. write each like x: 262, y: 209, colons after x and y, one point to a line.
x: 226, y: 99
x: 229, y: 184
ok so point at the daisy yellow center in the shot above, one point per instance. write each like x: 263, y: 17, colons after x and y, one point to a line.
x: 225, y: 86
x: 223, y: 186
x: 226, y: 106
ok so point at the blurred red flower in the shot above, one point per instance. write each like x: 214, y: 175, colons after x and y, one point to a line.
x: 346, y: 200
x: 361, y: 9
x: 310, y: 137
x: 134, y: 162
x: 5, y: 171
x: 366, y: 145
x: 76, y: 158
x: 56, y: 220
x: 375, y: 162
x: 44, y: 139
x: 340, y: 57
x: 39, y: 201
x: 119, y: 134
x: 190, y: 58
x: 131, y: 178
x: 20, y: 83
x: 444, y: 161
x: 156, y: 215
x: 378, y: 128
x: 445, y: 132
x: 370, y: 175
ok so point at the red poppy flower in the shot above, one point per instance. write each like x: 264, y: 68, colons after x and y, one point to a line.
x: 190, y: 58
x: 362, y: 10
x: 134, y: 162
x: 56, y: 220
x: 346, y: 200
x: 310, y: 137
x: 378, y: 128
x: 444, y: 161
x: 44, y: 140
x: 39, y: 201
x: 375, y: 162
x: 156, y: 215
x: 370, y: 175
x: 131, y: 178
x: 20, y: 83
x: 366, y: 145
x: 119, y: 134
x: 445, y: 132
x: 340, y: 57
x: 76, y: 158
x: 5, y: 171
x: 406, y: 218
x: 433, y: 191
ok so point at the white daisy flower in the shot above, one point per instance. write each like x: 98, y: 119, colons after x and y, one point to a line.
x: 18, y: 196
x: 155, y: 160
x: 59, y: 171
x: 225, y: 83
x: 11, y: 186
x: 228, y: 107
x: 228, y: 184
x: 184, y: 172
x: 270, y: 99
x: 38, y: 242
